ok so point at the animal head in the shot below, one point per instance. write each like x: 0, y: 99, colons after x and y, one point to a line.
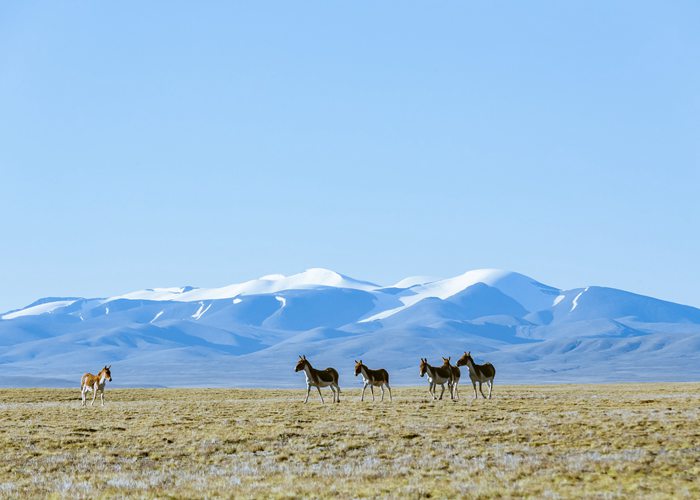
x: 301, y: 363
x: 466, y: 357
x: 423, y: 366
x: 446, y: 361
x: 358, y: 367
x: 108, y: 374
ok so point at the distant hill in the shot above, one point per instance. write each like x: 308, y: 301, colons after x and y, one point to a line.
x: 250, y: 334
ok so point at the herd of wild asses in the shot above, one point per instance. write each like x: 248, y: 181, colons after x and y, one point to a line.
x: 437, y: 375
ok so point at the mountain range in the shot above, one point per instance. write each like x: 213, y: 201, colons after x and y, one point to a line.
x: 250, y: 334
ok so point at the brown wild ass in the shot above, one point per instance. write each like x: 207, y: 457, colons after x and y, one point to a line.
x: 478, y: 373
x: 319, y: 378
x: 371, y: 378
x: 95, y: 384
x: 437, y: 375
x: 456, y: 374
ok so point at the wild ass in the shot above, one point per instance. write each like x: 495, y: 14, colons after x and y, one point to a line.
x: 95, y: 384
x: 319, y: 378
x: 478, y: 373
x: 437, y: 375
x: 371, y: 378
x: 456, y: 374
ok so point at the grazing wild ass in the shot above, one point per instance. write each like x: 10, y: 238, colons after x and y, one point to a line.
x: 371, y: 378
x: 437, y: 375
x: 456, y: 374
x: 95, y: 384
x: 478, y: 373
x: 319, y: 378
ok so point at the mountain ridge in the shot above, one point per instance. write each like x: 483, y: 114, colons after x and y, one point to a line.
x: 531, y: 329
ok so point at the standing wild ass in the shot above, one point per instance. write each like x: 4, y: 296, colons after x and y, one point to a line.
x: 95, y: 384
x: 319, y: 378
x: 456, y: 374
x: 437, y: 375
x: 478, y: 373
x: 371, y: 378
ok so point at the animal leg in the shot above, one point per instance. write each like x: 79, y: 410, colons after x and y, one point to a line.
x: 390, y: 398
x: 382, y: 388
x: 319, y: 393
x: 82, y: 395
x: 481, y: 390
x: 432, y: 390
x: 337, y: 395
x: 102, y: 397
x: 94, y: 395
x: 371, y: 388
x: 490, y: 387
x: 476, y: 396
x: 363, y: 392
x: 443, y: 390
x: 308, y: 390
x: 454, y: 389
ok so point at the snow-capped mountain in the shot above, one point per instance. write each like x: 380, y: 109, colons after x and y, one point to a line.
x: 229, y: 336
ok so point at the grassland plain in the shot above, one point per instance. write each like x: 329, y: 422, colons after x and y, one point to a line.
x: 626, y: 440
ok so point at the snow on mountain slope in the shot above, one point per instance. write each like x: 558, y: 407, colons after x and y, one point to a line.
x: 601, y: 302
x: 44, y: 308
x: 190, y: 336
x: 413, y: 281
x: 531, y: 294
x: 311, y: 278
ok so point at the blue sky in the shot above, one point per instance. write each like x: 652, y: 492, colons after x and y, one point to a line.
x: 148, y: 144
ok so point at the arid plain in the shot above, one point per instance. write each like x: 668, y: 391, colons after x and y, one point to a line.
x: 623, y: 440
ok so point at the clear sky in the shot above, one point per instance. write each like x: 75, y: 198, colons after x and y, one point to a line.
x: 147, y: 144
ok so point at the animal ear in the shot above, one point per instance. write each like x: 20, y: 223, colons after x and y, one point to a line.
x: 355, y: 361
x: 304, y: 356
x: 110, y: 366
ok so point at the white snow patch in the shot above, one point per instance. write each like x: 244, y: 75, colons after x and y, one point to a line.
x: 281, y: 300
x: 48, y: 307
x: 575, y: 301
x: 200, y: 312
x: 558, y: 299
x: 237, y: 300
x: 158, y: 315
x: 107, y: 311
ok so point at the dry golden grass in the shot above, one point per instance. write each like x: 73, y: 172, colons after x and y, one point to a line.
x: 567, y: 440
